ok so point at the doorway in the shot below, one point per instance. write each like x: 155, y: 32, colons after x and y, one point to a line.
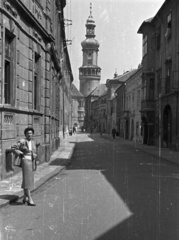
x: 144, y: 130
x: 167, y: 125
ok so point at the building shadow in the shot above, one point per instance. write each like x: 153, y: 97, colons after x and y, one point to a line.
x: 138, y: 191
x: 60, y: 162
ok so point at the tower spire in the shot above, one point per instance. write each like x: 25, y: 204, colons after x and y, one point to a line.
x: 91, y: 10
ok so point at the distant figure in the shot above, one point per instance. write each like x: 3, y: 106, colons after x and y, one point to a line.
x: 74, y: 130
x: 101, y: 132
x: 91, y: 129
x: 113, y: 132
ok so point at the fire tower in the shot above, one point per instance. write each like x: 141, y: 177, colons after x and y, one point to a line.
x: 89, y: 73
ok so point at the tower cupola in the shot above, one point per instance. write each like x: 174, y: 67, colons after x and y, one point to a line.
x: 90, y: 25
x: 89, y: 72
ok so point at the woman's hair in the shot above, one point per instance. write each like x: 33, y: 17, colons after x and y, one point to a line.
x: 28, y: 129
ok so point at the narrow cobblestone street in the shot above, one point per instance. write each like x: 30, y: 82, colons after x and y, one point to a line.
x: 110, y: 191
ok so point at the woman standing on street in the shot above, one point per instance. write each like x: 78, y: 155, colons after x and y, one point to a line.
x: 26, y: 150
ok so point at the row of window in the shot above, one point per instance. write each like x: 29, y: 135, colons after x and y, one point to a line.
x: 90, y: 72
x: 130, y: 100
x: 158, y: 35
x: 169, y: 81
x: 9, y: 78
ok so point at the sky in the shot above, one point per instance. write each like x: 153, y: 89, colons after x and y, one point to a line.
x: 117, y: 23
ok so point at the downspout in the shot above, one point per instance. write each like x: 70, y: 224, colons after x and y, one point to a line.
x: 63, y: 115
x: 160, y: 127
x: 176, y: 123
x: 2, y: 97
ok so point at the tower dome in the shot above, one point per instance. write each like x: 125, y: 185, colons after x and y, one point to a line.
x: 90, y: 43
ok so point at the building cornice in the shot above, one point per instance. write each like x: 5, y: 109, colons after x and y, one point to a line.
x: 29, y: 17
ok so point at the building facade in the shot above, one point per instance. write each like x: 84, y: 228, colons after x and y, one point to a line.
x: 78, y: 108
x: 89, y: 72
x: 93, y: 108
x: 112, y: 85
x: 103, y: 112
x: 121, y: 112
x: 33, y: 76
x: 133, y: 106
x: 160, y: 78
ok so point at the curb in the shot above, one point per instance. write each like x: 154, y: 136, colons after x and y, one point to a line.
x: 161, y: 158
x: 147, y: 151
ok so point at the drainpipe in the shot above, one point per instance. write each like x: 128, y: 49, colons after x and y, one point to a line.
x: 177, y: 122
x: 63, y: 115
x: 160, y: 127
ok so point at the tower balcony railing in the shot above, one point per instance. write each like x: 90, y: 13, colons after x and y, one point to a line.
x: 95, y: 74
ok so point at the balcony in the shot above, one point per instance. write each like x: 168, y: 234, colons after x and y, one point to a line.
x: 81, y: 109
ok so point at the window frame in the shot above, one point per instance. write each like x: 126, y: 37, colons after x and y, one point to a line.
x: 9, y: 75
x: 144, y: 45
x: 169, y: 20
x: 90, y: 58
x: 168, y: 78
x: 36, y: 82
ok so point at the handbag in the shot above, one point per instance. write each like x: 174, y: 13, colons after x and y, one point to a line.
x: 18, y: 161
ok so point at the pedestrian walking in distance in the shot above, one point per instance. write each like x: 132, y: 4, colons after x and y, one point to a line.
x: 113, y: 132
x: 25, y: 150
x: 74, y: 129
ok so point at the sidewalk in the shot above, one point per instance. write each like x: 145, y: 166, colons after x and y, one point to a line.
x: 10, y: 188
x: 166, y: 154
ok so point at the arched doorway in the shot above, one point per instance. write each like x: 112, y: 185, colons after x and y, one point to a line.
x: 167, y: 126
x: 144, y: 130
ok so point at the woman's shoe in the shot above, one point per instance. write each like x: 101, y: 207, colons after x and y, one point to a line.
x: 31, y: 204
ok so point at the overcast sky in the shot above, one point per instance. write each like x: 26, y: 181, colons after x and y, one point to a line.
x: 117, y: 23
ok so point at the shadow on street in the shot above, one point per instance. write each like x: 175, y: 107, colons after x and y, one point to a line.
x: 145, y: 186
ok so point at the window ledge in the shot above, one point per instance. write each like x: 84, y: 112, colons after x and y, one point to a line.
x: 7, y: 107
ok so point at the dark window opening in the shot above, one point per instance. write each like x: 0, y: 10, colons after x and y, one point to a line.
x: 8, y: 68
x: 7, y: 86
x: 151, y: 89
x: 144, y: 49
x: 35, y: 91
x: 37, y: 76
x: 158, y: 82
x: 168, y: 78
x: 158, y: 38
x: 169, y: 21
